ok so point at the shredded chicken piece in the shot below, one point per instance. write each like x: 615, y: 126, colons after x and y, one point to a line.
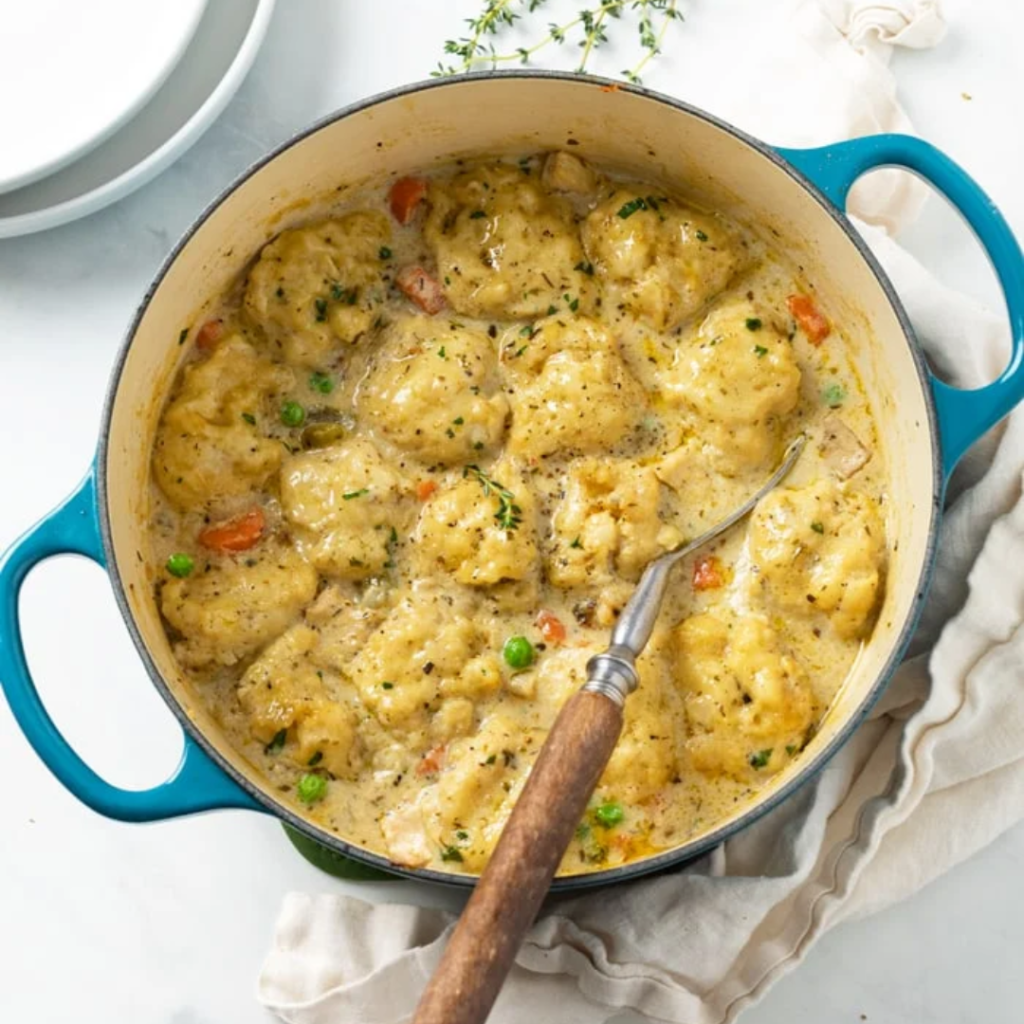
x: 841, y: 449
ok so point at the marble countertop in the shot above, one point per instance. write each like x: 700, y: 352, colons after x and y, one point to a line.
x: 168, y: 923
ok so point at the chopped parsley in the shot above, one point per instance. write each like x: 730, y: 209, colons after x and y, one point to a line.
x: 700, y: 235
x: 477, y: 214
x: 441, y: 352
x: 552, y: 310
x: 387, y: 686
x: 834, y: 395
x: 818, y: 527
x: 761, y: 758
x: 182, y: 336
x: 753, y: 323
x: 322, y: 382
x: 526, y: 332
x: 277, y: 743
x: 249, y: 418
x: 458, y: 421
x: 509, y: 514
x: 346, y: 295
x: 585, y: 268
x: 574, y: 305
x: 315, y: 759
x: 349, y: 495
x: 760, y: 351
x: 628, y: 209
x: 451, y: 853
x: 384, y: 253
x: 321, y: 310
x: 791, y: 749
x: 491, y: 759
x: 577, y: 543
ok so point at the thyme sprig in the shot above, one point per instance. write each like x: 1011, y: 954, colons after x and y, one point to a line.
x: 509, y: 514
x: 589, y: 31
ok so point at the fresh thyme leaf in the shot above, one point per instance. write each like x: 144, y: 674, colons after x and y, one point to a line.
x: 509, y: 514
x: 589, y: 30
x: 634, y: 205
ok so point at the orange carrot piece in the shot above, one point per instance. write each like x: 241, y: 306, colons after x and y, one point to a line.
x: 425, y: 488
x: 416, y: 284
x: 812, y: 322
x: 551, y: 627
x: 432, y: 761
x: 210, y: 333
x: 405, y: 196
x: 707, y: 573
x: 238, y: 534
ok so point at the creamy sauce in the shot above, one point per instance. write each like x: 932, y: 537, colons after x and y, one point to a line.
x: 397, y: 446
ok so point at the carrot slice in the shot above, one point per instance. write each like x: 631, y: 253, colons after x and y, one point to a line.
x: 416, y: 284
x: 210, y: 333
x: 405, y: 196
x: 431, y: 762
x: 707, y: 573
x: 238, y: 534
x: 812, y: 322
x: 551, y: 627
x: 425, y: 488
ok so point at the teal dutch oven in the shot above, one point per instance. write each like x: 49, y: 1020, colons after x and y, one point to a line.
x: 799, y: 195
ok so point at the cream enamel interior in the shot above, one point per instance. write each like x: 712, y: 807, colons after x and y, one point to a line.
x: 623, y: 129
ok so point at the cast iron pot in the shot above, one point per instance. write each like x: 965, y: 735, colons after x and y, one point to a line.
x: 799, y: 194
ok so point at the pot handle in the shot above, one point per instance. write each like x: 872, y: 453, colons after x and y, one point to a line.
x: 197, y: 784
x: 963, y: 415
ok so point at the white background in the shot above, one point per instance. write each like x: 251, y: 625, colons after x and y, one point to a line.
x: 169, y: 923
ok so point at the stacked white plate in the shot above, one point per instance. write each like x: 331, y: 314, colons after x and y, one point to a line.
x: 97, y: 98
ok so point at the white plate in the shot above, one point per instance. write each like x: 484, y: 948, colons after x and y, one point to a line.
x: 209, y: 73
x: 71, y: 73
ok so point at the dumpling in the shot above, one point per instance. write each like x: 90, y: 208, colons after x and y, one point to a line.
x: 607, y: 524
x: 209, y: 446
x: 747, y: 700
x: 820, y: 550
x: 316, y: 289
x: 738, y: 377
x: 504, y: 246
x: 428, y: 649
x: 432, y: 390
x: 282, y: 691
x: 656, y: 258
x: 481, y: 530
x: 236, y: 605
x: 570, y: 390
x: 345, y: 504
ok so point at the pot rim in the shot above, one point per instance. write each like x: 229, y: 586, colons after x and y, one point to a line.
x: 680, y: 855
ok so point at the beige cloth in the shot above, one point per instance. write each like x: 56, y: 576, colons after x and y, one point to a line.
x: 935, y: 774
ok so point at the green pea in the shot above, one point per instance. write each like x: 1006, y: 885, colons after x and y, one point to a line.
x: 518, y: 652
x: 609, y: 814
x: 311, y: 788
x: 180, y: 565
x: 292, y: 414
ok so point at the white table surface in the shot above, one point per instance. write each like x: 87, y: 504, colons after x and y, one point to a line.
x: 168, y: 923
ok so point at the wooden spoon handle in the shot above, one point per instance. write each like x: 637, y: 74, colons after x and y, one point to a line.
x: 515, y: 881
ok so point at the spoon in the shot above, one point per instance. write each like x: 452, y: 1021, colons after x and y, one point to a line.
x: 538, y: 832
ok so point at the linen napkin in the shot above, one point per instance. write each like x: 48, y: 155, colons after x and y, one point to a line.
x: 936, y: 773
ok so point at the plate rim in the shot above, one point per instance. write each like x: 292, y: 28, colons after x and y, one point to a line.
x: 141, y: 173
x: 42, y: 171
